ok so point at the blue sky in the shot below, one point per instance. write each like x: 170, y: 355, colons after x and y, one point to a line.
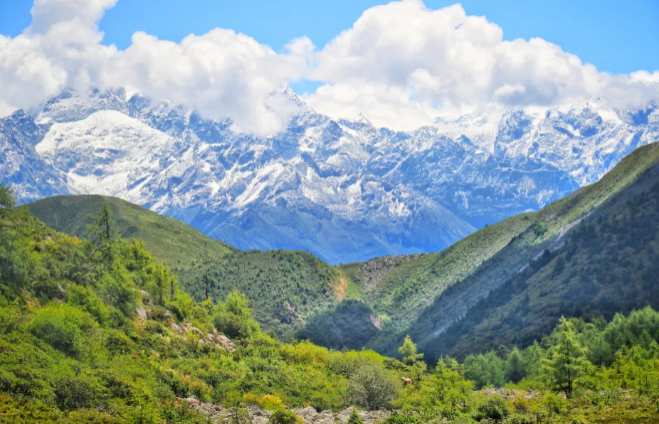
x: 616, y: 36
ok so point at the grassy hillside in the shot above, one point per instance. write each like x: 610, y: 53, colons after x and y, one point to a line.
x: 176, y: 244
x: 607, y: 264
x: 602, y: 265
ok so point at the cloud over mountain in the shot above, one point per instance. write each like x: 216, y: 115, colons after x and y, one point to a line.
x: 402, y: 65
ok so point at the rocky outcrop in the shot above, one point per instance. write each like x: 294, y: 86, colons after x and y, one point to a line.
x: 376, y: 269
x: 219, y: 341
x: 509, y: 394
x: 219, y: 414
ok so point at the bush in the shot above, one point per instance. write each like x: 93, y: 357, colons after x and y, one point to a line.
x: 399, y: 418
x: 518, y: 418
x: 87, y: 300
x: 73, y: 393
x: 494, y: 408
x: 63, y: 327
x: 235, y: 318
x: 554, y: 404
x: 117, y: 342
x: 372, y: 387
x: 10, y: 319
x: 284, y: 416
x: 154, y: 327
x: 355, y: 418
x: 119, y: 293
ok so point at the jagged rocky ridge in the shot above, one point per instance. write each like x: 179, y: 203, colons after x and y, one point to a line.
x: 343, y: 190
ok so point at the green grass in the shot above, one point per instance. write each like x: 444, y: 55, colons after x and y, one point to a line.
x: 174, y: 243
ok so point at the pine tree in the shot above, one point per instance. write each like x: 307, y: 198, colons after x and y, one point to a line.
x: 515, y: 369
x: 103, y: 228
x: 103, y: 233
x: 567, y: 361
x: 408, y: 351
x: 7, y: 198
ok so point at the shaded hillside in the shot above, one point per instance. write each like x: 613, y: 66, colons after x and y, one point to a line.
x: 285, y: 287
x: 608, y: 264
x: 600, y: 264
x: 174, y: 243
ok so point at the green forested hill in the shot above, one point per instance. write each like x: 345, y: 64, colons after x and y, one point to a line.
x: 176, y: 244
x: 286, y: 287
x: 423, y: 295
x: 98, y: 331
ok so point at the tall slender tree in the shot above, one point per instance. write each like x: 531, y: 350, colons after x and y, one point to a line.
x: 567, y: 361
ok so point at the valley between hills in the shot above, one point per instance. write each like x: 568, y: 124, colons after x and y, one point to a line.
x: 111, y: 313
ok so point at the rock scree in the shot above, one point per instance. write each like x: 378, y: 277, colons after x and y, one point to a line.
x: 219, y: 414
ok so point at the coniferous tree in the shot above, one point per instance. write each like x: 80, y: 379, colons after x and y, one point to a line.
x: 408, y: 351
x: 567, y: 361
x: 515, y: 368
x: 102, y: 232
x: 103, y: 228
x: 7, y: 199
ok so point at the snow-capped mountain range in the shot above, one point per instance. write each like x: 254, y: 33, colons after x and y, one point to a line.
x: 343, y: 190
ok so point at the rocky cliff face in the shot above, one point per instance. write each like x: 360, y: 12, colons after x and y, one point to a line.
x: 343, y: 190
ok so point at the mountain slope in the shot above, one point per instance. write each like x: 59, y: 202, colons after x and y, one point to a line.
x: 424, y: 295
x: 29, y: 175
x: 174, y: 243
x: 285, y: 287
x: 602, y: 262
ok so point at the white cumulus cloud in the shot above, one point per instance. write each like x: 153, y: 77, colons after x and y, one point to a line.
x: 402, y: 65
x: 220, y: 73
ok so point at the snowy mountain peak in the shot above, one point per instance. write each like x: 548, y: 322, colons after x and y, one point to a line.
x: 343, y: 190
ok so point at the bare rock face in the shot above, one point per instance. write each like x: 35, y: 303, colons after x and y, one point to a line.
x: 218, y: 414
x: 373, y: 271
x: 141, y: 312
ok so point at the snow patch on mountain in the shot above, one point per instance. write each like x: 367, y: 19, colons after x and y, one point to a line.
x: 343, y: 189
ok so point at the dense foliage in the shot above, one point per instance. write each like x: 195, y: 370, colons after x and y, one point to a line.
x: 99, y: 331
x: 304, y: 284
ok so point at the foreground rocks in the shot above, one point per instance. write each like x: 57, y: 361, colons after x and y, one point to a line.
x: 309, y: 415
x: 508, y: 394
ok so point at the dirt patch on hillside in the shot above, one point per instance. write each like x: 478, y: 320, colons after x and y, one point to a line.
x: 340, y: 286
